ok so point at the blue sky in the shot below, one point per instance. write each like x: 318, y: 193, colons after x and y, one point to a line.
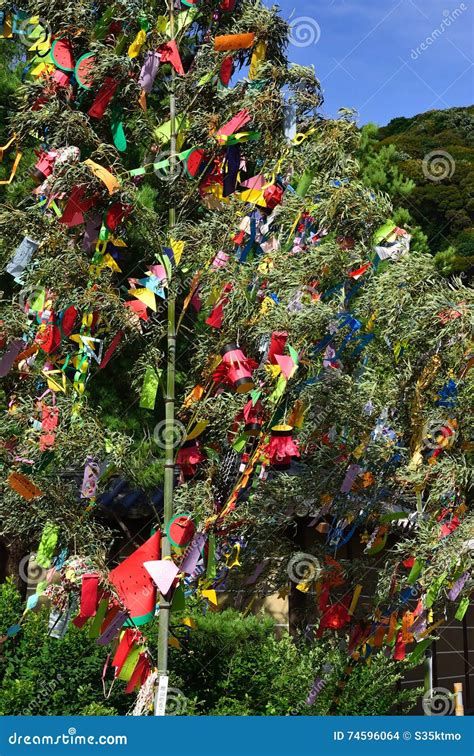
x: 368, y: 54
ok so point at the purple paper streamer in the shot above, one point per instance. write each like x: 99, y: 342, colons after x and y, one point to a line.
x: 456, y: 589
x: 420, y: 624
x: 193, y: 554
x: 149, y: 71
x: 112, y: 630
x: 351, y: 474
x: 92, y: 232
x: 7, y: 359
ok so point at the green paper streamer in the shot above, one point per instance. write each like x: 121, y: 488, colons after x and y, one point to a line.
x: 415, y: 571
x: 118, y: 134
x: 179, y: 602
x: 462, y: 608
x: 129, y: 664
x: 279, y: 390
x: 49, y: 539
x: 94, y: 630
x: 433, y: 590
x: 293, y: 354
x: 149, y: 389
x: 239, y: 443
x: 211, y: 557
x: 420, y: 648
x: 304, y: 183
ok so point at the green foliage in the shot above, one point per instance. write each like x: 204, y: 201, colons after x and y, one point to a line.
x: 443, y: 208
x: 380, y: 169
x: 235, y: 665
x: 44, y: 675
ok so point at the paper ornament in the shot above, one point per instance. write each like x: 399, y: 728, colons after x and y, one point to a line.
x: 133, y: 582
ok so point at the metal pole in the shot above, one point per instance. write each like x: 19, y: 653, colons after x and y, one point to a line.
x: 164, y: 617
x: 428, y: 673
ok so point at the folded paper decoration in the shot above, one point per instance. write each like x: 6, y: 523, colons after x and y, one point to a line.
x: 169, y: 53
x: 133, y: 583
x: 163, y: 573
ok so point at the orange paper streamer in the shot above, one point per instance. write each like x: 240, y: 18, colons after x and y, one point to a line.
x: 23, y: 486
x: 234, y: 42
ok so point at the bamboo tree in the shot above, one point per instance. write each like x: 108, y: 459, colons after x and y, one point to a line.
x: 170, y: 393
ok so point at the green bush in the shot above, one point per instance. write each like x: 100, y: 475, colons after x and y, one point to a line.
x: 228, y: 665
x: 44, y: 675
x: 236, y: 666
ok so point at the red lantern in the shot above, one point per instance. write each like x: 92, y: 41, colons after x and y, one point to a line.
x: 281, y: 448
x: 235, y: 370
x: 253, y: 416
x: 44, y: 166
x: 188, y: 457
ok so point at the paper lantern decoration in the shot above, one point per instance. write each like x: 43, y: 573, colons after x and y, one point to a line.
x: 134, y: 584
x: 235, y: 370
x: 282, y: 448
x: 181, y: 530
x: 277, y: 345
x: 253, y: 416
x: 195, y: 162
x: 43, y: 167
x: 189, y: 455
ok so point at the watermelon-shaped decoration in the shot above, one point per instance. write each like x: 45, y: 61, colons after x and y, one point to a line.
x: 181, y: 530
x: 189, y: 3
x: 195, y: 162
x: 61, y: 54
x: 83, y: 70
x: 134, y: 584
x: 226, y: 69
